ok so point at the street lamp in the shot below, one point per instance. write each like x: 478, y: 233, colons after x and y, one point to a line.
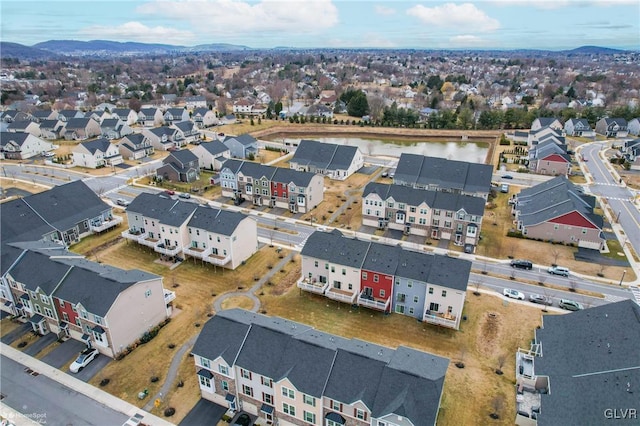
x: 622, y: 278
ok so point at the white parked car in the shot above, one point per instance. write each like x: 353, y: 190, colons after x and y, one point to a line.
x: 85, y: 357
x: 559, y: 270
x: 514, y: 294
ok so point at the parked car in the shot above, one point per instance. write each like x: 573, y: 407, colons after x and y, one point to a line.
x: 559, y: 270
x: 170, y: 192
x: 521, y: 264
x: 570, y: 305
x: 513, y: 294
x: 507, y: 177
x: 85, y: 357
x: 48, y: 154
x: 122, y: 202
x: 243, y: 420
x: 540, y: 299
x: 504, y: 188
x: 184, y: 195
x: 385, y: 174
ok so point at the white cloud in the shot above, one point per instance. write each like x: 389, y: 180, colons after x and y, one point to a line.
x: 467, y: 41
x: 384, y: 10
x: 558, y: 4
x: 451, y: 15
x: 233, y: 17
x: 136, y: 31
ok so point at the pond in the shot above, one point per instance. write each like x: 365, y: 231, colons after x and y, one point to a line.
x: 471, y: 151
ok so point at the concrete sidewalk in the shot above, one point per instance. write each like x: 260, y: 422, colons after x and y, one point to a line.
x: 79, y: 386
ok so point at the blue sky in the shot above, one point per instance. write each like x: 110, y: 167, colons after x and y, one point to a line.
x: 496, y: 24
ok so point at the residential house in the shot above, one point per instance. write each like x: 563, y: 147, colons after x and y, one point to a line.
x: 228, y: 119
x: 179, y: 166
x: 581, y: 367
x: 546, y: 133
x: 612, y: 127
x: 558, y: 211
x: 440, y: 174
x: 127, y: 115
x: 65, y: 214
x: 187, y: 132
x: 114, y: 128
x: 634, y: 127
x: 69, y: 114
x: 429, y: 287
x: 221, y: 237
x: 299, y: 192
x: 211, y: 155
x: 353, y: 382
x: 162, y: 138
x: 631, y: 153
x: 551, y: 122
x: 319, y: 110
x: 63, y: 293
x: 135, y: 146
x: 548, y: 158
x: 204, y: 117
x: 193, y: 102
x: 169, y: 99
x: 579, y: 127
x: 175, y: 115
x: 79, y: 129
x: 150, y: 117
x: 25, y: 126
x: 243, y: 146
x: 242, y: 106
x: 21, y: 146
x: 44, y: 114
x: 96, y: 153
x: 335, y: 161
x: 51, y: 129
x: 431, y: 214
x: 12, y: 115
x: 172, y: 228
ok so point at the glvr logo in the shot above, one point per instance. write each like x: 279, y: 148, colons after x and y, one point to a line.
x: 621, y: 413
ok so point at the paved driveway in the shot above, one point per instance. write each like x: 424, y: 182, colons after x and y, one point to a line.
x: 64, y: 353
x: 204, y: 413
x: 40, y: 344
x: 14, y: 335
x: 92, y: 369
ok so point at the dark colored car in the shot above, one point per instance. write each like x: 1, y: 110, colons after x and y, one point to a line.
x: 540, y: 299
x: 243, y: 420
x: 507, y: 177
x: 170, y: 192
x: 521, y: 264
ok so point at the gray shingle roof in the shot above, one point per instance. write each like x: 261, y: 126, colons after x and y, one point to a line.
x: 221, y: 222
x: 246, y: 139
x: 135, y: 140
x: 96, y: 145
x: 19, y: 222
x: 592, y: 360
x: 77, y: 123
x: 185, y: 126
x: 554, y: 198
x: 165, y: 210
x: 37, y: 270
x: 163, y: 130
x: 66, y: 205
x: 324, y: 155
x: 286, y: 176
x: 214, y: 148
x: 17, y: 137
x: 184, y: 156
x: 335, y: 248
x: 404, y: 381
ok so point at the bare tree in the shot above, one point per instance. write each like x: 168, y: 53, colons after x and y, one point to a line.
x: 376, y: 106
x: 497, y: 404
x: 502, y: 358
x: 476, y: 285
x: 462, y: 353
x: 541, y: 279
x: 555, y: 253
x: 573, y: 286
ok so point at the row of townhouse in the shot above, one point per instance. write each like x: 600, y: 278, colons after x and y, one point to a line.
x: 434, y: 214
x: 297, y: 191
x: 558, y: 210
x: 288, y: 373
x: 441, y: 174
x: 60, y: 292
x: 174, y: 228
x: 430, y: 288
x: 335, y: 161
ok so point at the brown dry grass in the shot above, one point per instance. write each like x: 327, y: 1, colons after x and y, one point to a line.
x: 196, y: 286
x: 242, y: 302
x: 481, y: 340
x: 7, y: 183
x: 7, y: 326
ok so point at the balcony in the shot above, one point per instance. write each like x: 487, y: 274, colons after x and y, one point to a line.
x: 445, y: 320
x: 370, y: 302
x: 217, y: 259
x: 167, y: 250
x: 312, y: 285
x: 197, y: 252
x: 169, y: 296
x: 106, y: 224
x: 135, y: 235
x: 341, y: 295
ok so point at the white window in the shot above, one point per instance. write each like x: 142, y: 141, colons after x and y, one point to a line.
x: 225, y: 385
x: 360, y: 414
x: 336, y: 406
x: 48, y: 312
x: 309, y: 417
x: 223, y: 369
x: 245, y: 373
x: 309, y: 400
x: 288, y: 409
x: 444, y: 293
x: 247, y: 390
x: 267, y: 382
x: 289, y: 393
x: 44, y: 299
x: 147, y: 293
x: 205, y: 382
x: 205, y: 362
x: 268, y: 398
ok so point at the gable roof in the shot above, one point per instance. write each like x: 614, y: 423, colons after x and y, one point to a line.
x: 78, y: 123
x: 214, y: 147
x: 546, y: 148
x: 163, y: 130
x: 184, y: 156
x: 591, y: 359
x: 245, y: 139
x: 36, y: 270
x: 223, y: 222
x: 184, y: 126
x: 286, y: 176
x: 134, y: 139
x: 324, y: 155
x: 165, y: 210
x: 101, y: 145
x: 18, y: 138
x: 554, y: 198
x: 335, y: 248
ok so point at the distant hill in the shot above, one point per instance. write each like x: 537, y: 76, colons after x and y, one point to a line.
x: 15, y: 50
x: 593, y: 50
x: 114, y: 48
